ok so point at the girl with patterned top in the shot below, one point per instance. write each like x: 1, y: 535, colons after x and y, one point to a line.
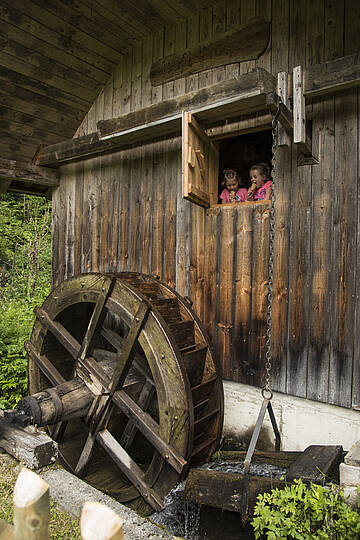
x: 232, y: 193
x: 260, y: 189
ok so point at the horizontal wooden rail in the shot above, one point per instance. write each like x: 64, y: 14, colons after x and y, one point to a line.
x: 241, y: 95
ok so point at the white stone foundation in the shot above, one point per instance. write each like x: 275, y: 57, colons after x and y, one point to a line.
x: 301, y: 422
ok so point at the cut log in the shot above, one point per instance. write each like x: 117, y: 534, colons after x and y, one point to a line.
x: 224, y: 490
x: 315, y: 463
x: 31, y: 507
x: 6, y: 531
x: 33, y: 448
x: 98, y: 522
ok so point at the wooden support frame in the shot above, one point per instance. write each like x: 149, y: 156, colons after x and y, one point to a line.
x: 285, y: 117
x: 283, y: 93
x: 299, y: 107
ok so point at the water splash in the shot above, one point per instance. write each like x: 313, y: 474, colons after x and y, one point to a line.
x: 179, y: 517
x: 182, y: 518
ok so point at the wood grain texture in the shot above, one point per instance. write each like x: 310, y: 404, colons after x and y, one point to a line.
x: 245, y: 43
x: 315, y: 315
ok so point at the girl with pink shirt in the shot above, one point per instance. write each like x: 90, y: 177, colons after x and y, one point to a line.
x: 232, y: 193
x: 260, y: 189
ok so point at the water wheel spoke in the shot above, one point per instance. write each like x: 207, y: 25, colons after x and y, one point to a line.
x: 59, y: 332
x: 127, y: 353
x: 128, y: 466
x: 139, y: 363
x: 113, y: 338
x: 97, y: 318
x: 149, y: 428
x: 143, y: 402
x: 85, y: 455
x: 58, y: 430
x: 44, y: 364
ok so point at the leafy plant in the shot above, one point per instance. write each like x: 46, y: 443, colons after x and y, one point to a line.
x: 25, y: 266
x: 302, y: 512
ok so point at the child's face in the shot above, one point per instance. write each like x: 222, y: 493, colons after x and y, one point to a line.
x: 257, y: 178
x: 231, y: 184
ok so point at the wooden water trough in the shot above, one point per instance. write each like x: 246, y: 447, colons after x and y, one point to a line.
x: 225, y: 489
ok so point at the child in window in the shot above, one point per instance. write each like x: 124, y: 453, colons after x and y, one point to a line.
x: 260, y: 189
x: 232, y: 193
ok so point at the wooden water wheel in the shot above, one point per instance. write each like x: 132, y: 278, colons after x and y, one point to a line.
x: 136, y: 397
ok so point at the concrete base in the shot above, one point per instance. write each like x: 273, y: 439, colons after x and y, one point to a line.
x: 301, y: 422
x: 71, y: 493
x: 350, y: 475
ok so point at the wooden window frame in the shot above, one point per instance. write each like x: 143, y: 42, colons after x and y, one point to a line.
x: 200, y: 176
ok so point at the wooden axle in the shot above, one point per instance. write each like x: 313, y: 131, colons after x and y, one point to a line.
x: 66, y: 401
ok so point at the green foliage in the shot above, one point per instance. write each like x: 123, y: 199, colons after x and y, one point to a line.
x: 25, y: 267
x: 304, y: 513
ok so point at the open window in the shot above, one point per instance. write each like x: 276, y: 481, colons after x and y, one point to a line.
x: 205, y: 157
x: 241, y: 152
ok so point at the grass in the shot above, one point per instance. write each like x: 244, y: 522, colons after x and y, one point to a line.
x: 62, y: 526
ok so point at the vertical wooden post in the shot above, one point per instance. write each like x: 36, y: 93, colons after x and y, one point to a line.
x: 283, y: 93
x: 299, y: 106
x: 98, y: 522
x: 31, y: 507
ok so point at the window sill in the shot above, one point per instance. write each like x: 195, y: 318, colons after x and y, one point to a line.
x: 240, y: 204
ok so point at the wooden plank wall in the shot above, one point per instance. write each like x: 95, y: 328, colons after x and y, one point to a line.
x: 126, y: 212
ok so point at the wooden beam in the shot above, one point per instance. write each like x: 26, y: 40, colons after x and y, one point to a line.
x: 316, y: 462
x: 28, y: 445
x: 224, y: 490
x: 247, y: 42
x: 299, y: 106
x: 4, y: 185
x: 229, y: 98
x: 149, y: 428
x: 339, y: 74
x: 27, y: 172
x: 283, y: 93
x: 243, y: 89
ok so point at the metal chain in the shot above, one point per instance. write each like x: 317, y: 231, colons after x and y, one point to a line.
x: 266, y: 388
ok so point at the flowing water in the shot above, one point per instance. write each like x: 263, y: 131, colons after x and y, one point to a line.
x: 192, y: 522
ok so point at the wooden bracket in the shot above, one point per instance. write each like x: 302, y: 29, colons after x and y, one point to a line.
x: 287, y: 122
x: 303, y: 142
x: 299, y: 107
x: 283, y: 93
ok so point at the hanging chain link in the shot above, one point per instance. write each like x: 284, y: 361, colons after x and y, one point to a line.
x: 266, y: 391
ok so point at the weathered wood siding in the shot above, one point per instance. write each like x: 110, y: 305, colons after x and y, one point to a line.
x: 125, y: 211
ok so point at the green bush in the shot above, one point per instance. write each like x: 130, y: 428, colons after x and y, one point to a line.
x: 305, y: 512
x: 25, y: 267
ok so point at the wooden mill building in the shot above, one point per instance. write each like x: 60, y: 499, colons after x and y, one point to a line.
x: 106, y: 107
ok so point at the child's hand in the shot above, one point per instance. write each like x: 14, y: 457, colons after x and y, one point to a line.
x: 250, y: 195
